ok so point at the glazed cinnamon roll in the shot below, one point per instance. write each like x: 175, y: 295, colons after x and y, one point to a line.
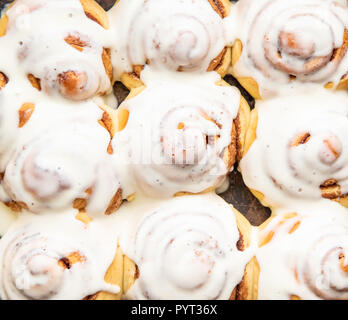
x: 304, y: 257
x: 171, y: 35
x: 285, y: 44
x: 182, y: 138
x: 300, y: 152
x: 43, y: 259
x: 68, y: 55
x: 66, y: 164
x: 211, y: 240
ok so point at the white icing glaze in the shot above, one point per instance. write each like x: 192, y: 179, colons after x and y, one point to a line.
x: 7, y: 217
x: 286, y: 173
x: 62, y: 149
x: 201, y: 221
x: 60, y: 153
x: 174, y: 142
x: 25, y: 36
x: 169, y: 34
x: 31, y: 250
x: 306, y: 256
x: 202, y: 231
x: 282, y: 38
x: 47, y: 173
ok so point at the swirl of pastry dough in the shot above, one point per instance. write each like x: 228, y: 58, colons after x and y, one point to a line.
x: 308, y: 158
x: 32, y: 269
x: 63, y: 167
x: 175, y: 35
x: 76, y: 83
x: 327, y: 264
x: 71, y: 59
x: 313, y: 261
x: 302, y: 41
x: 44, y: 259
x: 187, y: 143
x: 204, y: 233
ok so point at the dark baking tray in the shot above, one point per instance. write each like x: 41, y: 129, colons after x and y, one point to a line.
x: 237, y: 194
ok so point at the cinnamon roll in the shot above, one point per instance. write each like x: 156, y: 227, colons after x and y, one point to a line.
x: 64, y: 164
x: 68, y: 56
x: 285, y: 44
x: 44, y: 260
x: 211, y: 239
x: 169, y: 34
x: 304, y: 257
x: 300, y: 151
x: 184, y: 143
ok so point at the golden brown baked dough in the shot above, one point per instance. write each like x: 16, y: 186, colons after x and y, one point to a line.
x: 247, y: 289
x: 95, y: 12
x: 25, y: 113
x: 3, y: 80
